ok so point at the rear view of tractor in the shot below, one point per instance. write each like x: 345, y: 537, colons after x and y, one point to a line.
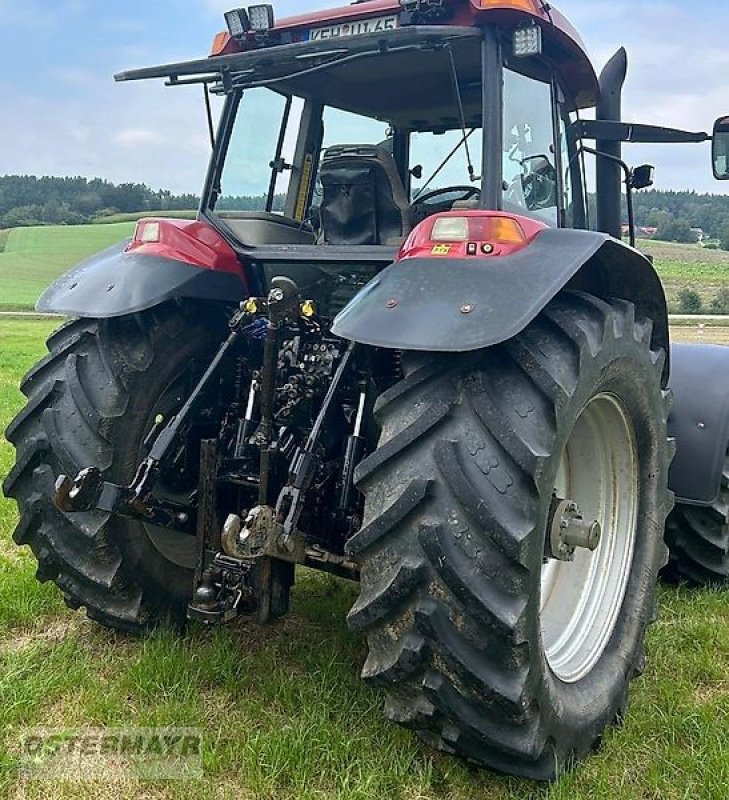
x: 417, y: 367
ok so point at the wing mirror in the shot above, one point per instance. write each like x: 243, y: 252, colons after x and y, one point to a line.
x: 642, y: 177
x: 720, y: 149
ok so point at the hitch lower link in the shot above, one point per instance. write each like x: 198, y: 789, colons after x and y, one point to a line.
x: 88, y: 491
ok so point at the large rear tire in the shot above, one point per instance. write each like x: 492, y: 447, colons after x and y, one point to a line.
x: 92, y: 402
x: 698, y: 538
x: 481, y: 646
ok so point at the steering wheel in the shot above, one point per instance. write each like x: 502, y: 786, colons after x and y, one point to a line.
x: 467, y: 193
x: 427, y: 204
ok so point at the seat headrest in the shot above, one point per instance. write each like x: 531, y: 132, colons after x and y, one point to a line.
x: 373, y: 151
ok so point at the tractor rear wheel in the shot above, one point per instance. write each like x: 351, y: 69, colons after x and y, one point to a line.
x: 698, y: 538
x: 92, y: 401
x: 484, y: 645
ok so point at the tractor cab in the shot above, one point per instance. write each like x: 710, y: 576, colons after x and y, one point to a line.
x: 351, y: 126
x: 342, y: 131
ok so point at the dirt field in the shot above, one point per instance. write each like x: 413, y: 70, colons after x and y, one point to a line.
x: 702, y: 332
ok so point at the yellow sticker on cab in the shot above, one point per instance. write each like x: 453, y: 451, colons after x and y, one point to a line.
x: 441, y: 250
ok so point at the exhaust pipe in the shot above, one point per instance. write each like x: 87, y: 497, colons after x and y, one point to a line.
x: 609, y: 174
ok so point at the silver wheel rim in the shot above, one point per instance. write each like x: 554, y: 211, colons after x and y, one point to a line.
x: 581, y: 599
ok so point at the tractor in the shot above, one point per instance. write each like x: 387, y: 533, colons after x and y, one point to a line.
x: 420, y: 365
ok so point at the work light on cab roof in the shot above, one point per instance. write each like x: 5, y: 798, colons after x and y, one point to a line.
x: 255, y: 19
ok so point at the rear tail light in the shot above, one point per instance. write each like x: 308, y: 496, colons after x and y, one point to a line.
x: 470, y: 234
x: 493, y: 230
x: 147, y: 232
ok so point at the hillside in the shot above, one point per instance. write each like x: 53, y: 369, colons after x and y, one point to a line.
x: 34, y: 257
x: 689, y: 266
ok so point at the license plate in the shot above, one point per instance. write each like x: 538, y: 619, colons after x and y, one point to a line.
x: 356, y: 28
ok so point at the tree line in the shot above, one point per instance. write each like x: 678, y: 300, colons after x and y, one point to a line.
x: 29, y: 200
x: 675, y: 214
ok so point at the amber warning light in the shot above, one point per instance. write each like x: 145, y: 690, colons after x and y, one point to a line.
x: 470, y: 234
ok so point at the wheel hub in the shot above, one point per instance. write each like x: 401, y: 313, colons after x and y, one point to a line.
x: 569, y: 530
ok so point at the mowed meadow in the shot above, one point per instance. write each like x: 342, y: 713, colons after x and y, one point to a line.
x: 282, y: 709
x: 32, y: 258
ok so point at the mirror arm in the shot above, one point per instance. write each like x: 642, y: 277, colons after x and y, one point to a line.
x: 628, y: 185
x: 629, y: 132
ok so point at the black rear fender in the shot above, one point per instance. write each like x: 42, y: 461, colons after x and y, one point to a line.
x: 114, y: 283
x: 460, y: 305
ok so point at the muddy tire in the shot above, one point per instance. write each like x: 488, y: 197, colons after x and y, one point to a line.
x: 698, y: 538
x: 91, y: 402
x: 471, y: 651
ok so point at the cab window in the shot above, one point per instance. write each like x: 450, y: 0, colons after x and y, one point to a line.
x: 531, y: 178
x: 439, y: 162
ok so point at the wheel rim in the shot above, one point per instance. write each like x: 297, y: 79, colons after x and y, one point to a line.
x: 581, y: 599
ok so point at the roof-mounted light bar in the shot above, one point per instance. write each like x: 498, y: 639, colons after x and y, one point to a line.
x: 254, y: 19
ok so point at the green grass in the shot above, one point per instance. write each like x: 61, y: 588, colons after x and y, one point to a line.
x: 133, y: 217
x: 283, y: 710
x: 34, y: 257
x: 688, y: 266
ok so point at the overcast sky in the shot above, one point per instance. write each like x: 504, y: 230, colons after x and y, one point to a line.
x: 62, y: 114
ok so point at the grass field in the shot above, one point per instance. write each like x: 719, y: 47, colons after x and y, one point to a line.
x: 34, y: 257
x: 114, y: 218
x: 283, y: 712
x: 682, y: 266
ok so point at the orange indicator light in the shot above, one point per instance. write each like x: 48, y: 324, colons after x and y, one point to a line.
x: 522, y: 5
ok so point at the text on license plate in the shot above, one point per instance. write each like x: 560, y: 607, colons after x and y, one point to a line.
x: 355, y: 28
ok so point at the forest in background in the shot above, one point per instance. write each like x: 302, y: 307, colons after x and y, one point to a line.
x: 26, y: 200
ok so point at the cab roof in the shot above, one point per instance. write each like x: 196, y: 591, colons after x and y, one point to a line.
x: 290, y: 45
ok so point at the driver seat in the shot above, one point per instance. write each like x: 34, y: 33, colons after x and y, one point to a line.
x: 364, y: 200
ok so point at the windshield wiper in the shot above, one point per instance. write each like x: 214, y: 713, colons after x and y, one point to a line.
x: 459, y: 100
x: 443, y: 164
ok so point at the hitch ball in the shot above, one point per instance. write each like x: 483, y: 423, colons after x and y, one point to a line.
x: 569, y: 530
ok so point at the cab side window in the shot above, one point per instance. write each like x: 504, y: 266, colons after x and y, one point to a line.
x: 531, y: 178
x: 572, y: 164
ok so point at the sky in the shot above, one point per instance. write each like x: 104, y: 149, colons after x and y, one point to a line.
x: 62, y: 113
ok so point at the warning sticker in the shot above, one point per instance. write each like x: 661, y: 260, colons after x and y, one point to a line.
x: 441, y: 250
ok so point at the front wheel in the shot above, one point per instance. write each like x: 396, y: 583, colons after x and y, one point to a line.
x: 487, y: 645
